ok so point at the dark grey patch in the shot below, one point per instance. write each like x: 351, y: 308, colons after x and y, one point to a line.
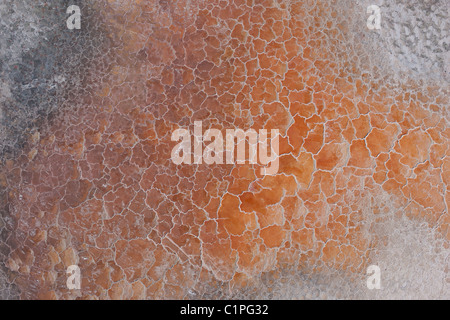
x: 49, y: 69
x: 45, y: 69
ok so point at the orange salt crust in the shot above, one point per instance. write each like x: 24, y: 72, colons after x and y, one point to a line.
x: 98, y: 188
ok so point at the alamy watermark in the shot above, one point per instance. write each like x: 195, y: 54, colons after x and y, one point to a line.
x: 74, y: 279
x: 374, y: 279
x: 374, y: 20
x: 74, y: 20
x: 210, y: 147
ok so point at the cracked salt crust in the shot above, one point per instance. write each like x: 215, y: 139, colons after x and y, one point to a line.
x: 362, y: 142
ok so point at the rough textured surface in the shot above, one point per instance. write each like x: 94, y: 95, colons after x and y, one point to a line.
x: 43, y: 67
x: 418, y: 35
x: 414, y: 40
x: 87, y: 179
